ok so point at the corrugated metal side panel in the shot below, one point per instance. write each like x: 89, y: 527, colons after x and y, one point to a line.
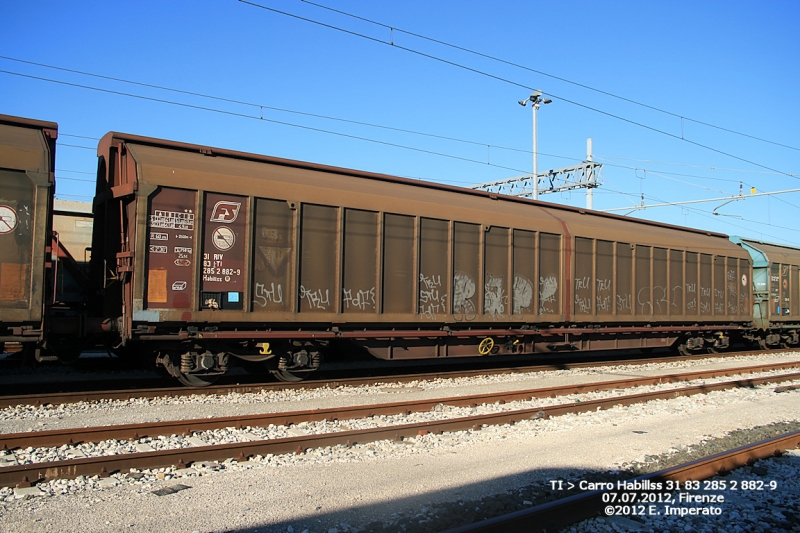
x: 624, y: 282
x: 360, y: 270
x: 274, y: 242
x: 466, y: 265
x: 642, y: 296
x: 319, y: 258
x: 584, y: 276
x: 677, y: 288
x: 550, y: 274
x: 433, y: 269
x: 719, y: 286
x: 399, y: 262
x: 604, y: 279
x: 661, y: 287
x: 705, y: 286
x: 524, y: 292
x: 496, y: 282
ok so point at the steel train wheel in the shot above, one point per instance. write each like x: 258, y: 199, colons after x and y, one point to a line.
x: 197, y: 380
x: 683, y: 350
x: 289, y: 377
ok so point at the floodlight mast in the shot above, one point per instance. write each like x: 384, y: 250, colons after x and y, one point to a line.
x: 536, y: 100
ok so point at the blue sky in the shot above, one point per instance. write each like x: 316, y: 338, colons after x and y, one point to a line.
x: 731, y: 64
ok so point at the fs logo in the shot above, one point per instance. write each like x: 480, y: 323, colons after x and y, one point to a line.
x: 225, y: 212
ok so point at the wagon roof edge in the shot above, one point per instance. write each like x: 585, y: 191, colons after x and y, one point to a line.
x: 108, y: 138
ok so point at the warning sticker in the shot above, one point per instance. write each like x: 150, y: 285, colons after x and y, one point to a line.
x: 8, y: 219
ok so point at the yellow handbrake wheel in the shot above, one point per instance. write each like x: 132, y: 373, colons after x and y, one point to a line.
x: 486, y: 346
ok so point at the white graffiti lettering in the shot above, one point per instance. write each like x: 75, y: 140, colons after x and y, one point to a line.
x: 264, y: 295
x: 547, y: 293
x: 494, y: 296
x: 583, y: 305
x: 523, y: 294
x: 431, y: 300
x: 463, y: 291
x: 361, y: 300
x: 315, y: 299
x: 582, y: 283
x: 676, y: 295
x: 603, y: 285
x: 643, y: 300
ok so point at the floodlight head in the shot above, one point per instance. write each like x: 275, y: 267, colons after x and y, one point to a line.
x: 536, y: 93
x: 523, y: 103
x: 547, y: 101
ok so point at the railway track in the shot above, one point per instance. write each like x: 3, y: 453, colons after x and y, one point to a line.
x: 561, y: 513
x: 75, y: 396
x: 26, y: 474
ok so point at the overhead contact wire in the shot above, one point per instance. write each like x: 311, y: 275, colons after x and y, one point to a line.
x: 243, y: 115
x: 511, y: 82
x: 552, y: 76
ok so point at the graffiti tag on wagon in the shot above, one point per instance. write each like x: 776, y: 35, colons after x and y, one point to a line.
x: 547, y: 293
x: 431, y: 300
x: 264, y: 295
x: 316, y: 299
x: 660, y: 299
x: 523, y: 294
x: 463, y: 291
x: 495, y: 297
x: 362, y: 299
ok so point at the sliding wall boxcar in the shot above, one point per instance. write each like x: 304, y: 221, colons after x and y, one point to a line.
x: 27, y: 182
x: 220, y: 241
x: 776, y: 283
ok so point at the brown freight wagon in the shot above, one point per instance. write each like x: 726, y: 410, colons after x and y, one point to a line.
x: 27, y: 182
x: 206, y: 253
x: 776, y: 292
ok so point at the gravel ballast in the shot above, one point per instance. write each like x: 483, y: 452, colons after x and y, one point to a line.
x: 388, y: 486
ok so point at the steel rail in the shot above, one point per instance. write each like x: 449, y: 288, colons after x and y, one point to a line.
x: 60, y: 437
x: 126, y: 394
x: 555, y: 515
x: 26, y: 474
